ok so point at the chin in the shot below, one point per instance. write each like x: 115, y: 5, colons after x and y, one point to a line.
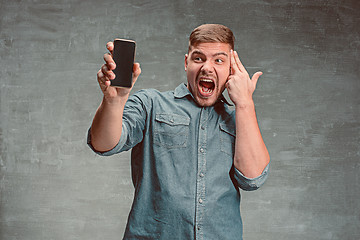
x: 205, y: 102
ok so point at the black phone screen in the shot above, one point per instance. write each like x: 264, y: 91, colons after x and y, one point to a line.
x: 123, y: 55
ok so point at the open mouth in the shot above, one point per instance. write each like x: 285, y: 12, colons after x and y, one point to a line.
x: 206, y: 87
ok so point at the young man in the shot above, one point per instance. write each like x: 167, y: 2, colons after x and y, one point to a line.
x: 190, y: 152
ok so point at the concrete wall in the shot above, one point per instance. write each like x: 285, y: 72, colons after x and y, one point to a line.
x: 53, y: 187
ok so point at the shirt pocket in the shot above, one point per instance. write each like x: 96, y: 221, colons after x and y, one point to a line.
x: 171, y: 130
x: 227, y: 138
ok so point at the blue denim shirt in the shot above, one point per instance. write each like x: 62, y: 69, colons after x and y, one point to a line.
x: 186, y: 186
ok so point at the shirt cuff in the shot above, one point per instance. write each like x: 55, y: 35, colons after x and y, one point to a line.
x: 250, y: 184
x: 113, y: 151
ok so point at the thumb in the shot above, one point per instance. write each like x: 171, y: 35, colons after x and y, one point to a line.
x: 136, y: 71
x: 255, y: 77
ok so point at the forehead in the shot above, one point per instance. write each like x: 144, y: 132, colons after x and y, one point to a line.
x: 210, y: 48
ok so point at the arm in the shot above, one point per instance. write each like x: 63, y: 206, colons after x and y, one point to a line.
x: 107, y: 124
x: 251, y: 156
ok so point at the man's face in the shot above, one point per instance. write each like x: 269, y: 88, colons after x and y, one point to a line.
x: 207, y: 67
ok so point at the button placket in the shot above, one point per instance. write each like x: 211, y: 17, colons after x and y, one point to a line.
x: 200, y: 181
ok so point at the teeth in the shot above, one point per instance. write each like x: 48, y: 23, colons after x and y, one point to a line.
x: 206, y: 80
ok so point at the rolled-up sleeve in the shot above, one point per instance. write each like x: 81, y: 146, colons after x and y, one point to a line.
x: 118, y: 148
x: 133, y: 124
x: 250, y: 184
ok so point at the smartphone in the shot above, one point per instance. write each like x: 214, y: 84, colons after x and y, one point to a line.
x: 123, y: 55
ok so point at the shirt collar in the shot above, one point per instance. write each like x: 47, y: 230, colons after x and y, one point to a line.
x: 182, y: 91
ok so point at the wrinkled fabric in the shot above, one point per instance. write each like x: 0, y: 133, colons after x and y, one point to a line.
x: 186, y: 186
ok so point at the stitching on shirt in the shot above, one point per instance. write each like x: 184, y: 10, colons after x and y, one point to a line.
x: 171, y: 130
x: 227, y: 139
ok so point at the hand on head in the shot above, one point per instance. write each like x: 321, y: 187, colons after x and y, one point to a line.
x: 239, y: 84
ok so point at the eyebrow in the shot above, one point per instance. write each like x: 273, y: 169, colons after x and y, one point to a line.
x: 220, y: 53
x: 216, y: 54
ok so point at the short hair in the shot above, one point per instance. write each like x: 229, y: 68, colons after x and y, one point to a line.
x: 211, y: 33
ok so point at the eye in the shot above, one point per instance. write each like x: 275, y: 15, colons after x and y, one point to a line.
x: 218, y: 60
x: 198, y: 59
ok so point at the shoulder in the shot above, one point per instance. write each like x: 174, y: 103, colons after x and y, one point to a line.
x: 150, y: 97
x: 152, y: 94
x: 179, y: 92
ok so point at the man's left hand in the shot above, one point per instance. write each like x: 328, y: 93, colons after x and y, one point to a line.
x: 239, y: 84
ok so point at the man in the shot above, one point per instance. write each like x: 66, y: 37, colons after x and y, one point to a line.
x: 190, y: 152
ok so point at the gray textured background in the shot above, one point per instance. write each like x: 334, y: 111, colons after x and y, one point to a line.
x: 53, y: 187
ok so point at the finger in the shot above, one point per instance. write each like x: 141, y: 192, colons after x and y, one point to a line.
x: 110, y: 47
x: 102, y: 79
x: 256, y: 77
x: 109, y: 61
x: 238, y: 62
x: 234, y: 66
x: 136, y: 70
x: 107, y: 72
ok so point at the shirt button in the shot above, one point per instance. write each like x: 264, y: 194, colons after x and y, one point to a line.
x: 198, y: 228
x: 201, y: 150
x: 203, y: 127
x: 201, y: 201
x: 171, y: 120
x: 201, y: 175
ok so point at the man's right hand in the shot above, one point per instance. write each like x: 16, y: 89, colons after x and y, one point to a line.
x: 106, y: 74
x: 107, y: 124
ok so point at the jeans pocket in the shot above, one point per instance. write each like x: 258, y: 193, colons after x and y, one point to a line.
x: 171, y: 130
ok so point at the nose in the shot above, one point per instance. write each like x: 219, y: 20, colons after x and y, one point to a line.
x: 207, y: 67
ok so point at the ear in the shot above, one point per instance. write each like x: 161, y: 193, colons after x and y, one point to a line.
x: 185, y: 64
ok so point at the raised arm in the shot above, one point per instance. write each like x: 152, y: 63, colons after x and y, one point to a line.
x: 251, y: 155
x: 107, y: 124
